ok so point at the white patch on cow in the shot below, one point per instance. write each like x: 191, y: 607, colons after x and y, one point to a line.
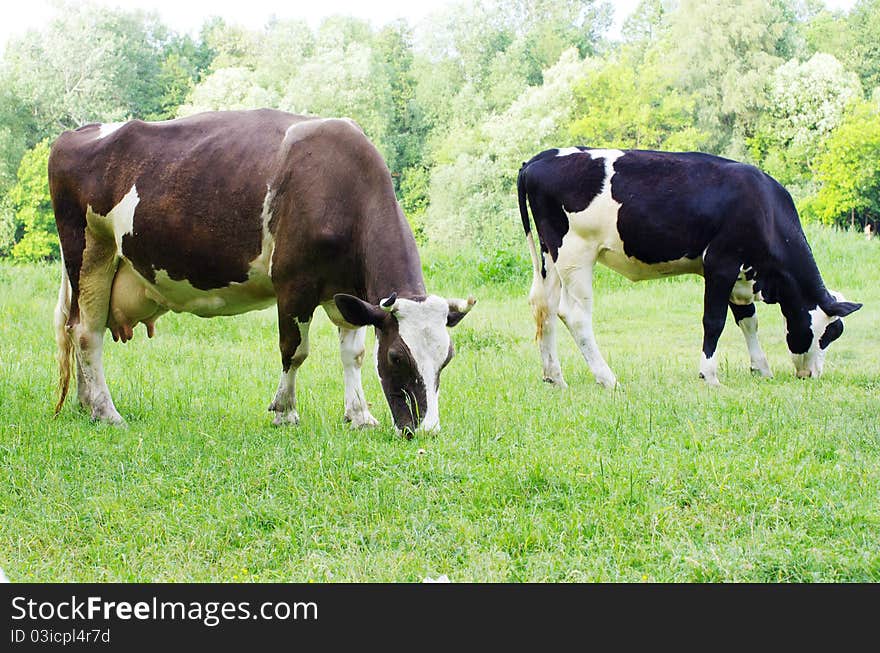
x: 351, y: 350
x: 284, y: 403
x: 812, y: 361
x: 122, y: 217
x: 262, y: 265
x: 566, y: 151
x: 182, y: 297
x: 743, y: 292
x: 118, y: 222
x: 422, y: 326
x: 108, y: 128
x: 709, y: 369
x: 749, y: 327
x: 91, y: 382
x: 3, y: 578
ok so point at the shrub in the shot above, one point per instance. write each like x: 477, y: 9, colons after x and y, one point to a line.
x: 31, y: 207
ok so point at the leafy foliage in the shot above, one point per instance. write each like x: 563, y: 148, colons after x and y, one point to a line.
x: 32, y: 207
x: 457, y: 102
x: 724, y: 53
x: 850, y: 171
x: 640, y: 109
x: 473, y: 185
x: 806, y: 103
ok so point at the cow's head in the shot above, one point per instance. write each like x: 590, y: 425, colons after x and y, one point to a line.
x: 809, y: 334
x: 412, y: 348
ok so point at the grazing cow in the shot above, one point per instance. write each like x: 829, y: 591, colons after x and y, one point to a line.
x: 227, y: 212
x: 654, y: 214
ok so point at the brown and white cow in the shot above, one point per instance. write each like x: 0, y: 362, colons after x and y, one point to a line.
x: 651, y: 214
x: 226, y: 212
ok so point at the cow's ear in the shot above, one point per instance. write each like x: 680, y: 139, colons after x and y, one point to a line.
x: 842, y: 309
x: 357, y: 312
x: 458, y: 308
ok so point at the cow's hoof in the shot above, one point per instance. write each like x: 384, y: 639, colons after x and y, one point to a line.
x: 607, y: 383
x: 113, y: 418
x: 286, y: 419
x: 711, y: 381
x: 763, y: 372
x: 557, y: 383
x: 361, y: 420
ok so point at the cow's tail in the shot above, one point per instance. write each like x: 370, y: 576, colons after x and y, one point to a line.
x: 62, y: 338
x: 537, y: 294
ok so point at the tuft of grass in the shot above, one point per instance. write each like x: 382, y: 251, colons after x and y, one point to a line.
x: 664, y: 479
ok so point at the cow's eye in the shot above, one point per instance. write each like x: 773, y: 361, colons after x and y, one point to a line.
x: 395, y: 358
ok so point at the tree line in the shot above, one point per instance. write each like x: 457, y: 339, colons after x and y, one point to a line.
x: 459, y: 101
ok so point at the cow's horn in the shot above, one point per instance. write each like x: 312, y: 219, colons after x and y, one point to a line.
x: 388, y: 303
x: 461, y: 305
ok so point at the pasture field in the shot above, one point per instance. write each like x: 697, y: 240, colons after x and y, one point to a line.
x: 662, y: 480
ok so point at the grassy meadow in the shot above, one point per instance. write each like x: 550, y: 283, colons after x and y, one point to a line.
x: 662, y: 480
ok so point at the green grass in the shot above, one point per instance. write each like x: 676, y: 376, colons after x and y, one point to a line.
x: 663, y: 480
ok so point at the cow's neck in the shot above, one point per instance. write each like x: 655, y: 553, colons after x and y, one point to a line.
x: 803, y: 283
x: 391, y: 259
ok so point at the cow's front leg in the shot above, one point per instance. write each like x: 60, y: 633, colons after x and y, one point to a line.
x: 747, y: 321
x: 719, y: 282
x: 576, y: 310
x: 351, y: 349
x: 294, y: 342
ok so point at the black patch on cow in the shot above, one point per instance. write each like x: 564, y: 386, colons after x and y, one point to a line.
x: 402, y: 383
x: 799, y: 334
x: 671, y: 204
x: 832, y: 332
x: 555, y: 185
x: 357, y: 312
x: 741, y: 312
x: 449, y: 356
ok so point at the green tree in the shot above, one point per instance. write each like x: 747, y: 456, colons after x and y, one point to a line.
x: 91, y: 64
x: 725, y: 53
x: 29, y: 200
x: 629, y: 107
x: 829, y: 32
x: 472, y: 188
x: 849, y: 171
x: 806, y: 102
x: 183, y: 64
x: 648, y: 23
x: 393, y: 53
x: 864, y: 24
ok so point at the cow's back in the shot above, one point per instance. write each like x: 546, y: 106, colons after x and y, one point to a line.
x: 198, y: 184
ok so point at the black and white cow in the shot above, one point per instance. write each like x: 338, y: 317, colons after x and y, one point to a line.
x: 651, y: 214
x: 226, y: 212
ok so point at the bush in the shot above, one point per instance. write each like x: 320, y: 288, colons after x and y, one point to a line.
x: 33, y: 221
x: 849, y: 172
x: 504, y: 266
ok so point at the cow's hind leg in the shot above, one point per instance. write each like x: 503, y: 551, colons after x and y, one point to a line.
x: 95, y: 281
x: 544, y: 300
x: 746, y: 318
x: 351, y: 349
x: 576, y: 310
x: 91, y: 257
x: 293, y: 331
